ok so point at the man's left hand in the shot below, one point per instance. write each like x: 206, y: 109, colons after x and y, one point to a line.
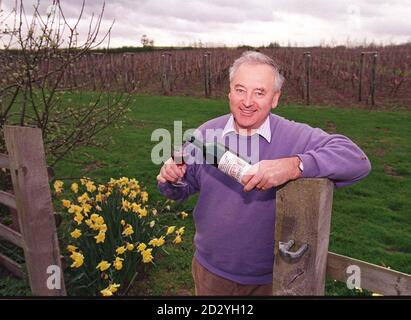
x: 271, y: 173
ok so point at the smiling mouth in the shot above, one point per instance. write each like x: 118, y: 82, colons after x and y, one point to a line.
x: 247, y: 112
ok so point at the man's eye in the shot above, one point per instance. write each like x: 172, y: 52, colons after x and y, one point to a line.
x: 239, y: 90
x: 259, y: 94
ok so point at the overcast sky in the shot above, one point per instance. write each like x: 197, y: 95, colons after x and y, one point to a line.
x: 258, y: 22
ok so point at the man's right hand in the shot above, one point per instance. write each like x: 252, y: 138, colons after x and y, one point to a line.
x: 171, y: 172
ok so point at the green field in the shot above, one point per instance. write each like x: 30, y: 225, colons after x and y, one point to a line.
x: 371, y: 220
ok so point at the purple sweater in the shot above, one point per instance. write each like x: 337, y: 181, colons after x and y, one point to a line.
x: 235, y: 229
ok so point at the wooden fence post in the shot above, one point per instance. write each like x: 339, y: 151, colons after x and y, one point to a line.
x: 303, y: 214
x: 373, y: 77
x: 35, y: 210
x: 361, y: 76
x: 165, y: 72
x: 207, y: 78
x: 307, y: 75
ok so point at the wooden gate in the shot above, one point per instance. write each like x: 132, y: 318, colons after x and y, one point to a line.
x: 303, y: 218
x: 32, y: 200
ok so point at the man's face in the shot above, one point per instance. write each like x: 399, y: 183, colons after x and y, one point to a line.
x: 252, y: 95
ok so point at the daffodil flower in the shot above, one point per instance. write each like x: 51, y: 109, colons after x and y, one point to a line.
x: 103, y: 265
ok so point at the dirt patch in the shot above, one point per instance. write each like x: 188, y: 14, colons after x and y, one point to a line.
x: 382, y: 129
x: 93, y: 166
x: 379, y: 152
x: 330, y: 127
x: 389, y: 170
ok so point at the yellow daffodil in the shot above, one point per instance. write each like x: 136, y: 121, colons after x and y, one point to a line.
x: 99, y: 197
x: 141, y: 247
x: 76, y: 233
x: 177, y: 240
x: 125, y: 205
x: 74, y: 187
x: 84, y: 181
x: 66, y: 203
x: 133, y: 194
x: 101, y: 237
x: 123, y: 181
x: 180, y: 231
x: 152, y: 223
x: 183, y: 214
x: 71, y: 248
x: 86, y: 208
x: 135, y: 207
x: 75, y: 209
x: 128, y: 230
x: 122, y: 222
x: 100, y: 220
x: 101, y: 188
x: 144, y: 197
x: 83, y: 198
x: 113, y: 287
x: 78, y: 259
x: 103, y: 265
x: 102, y: 227
x: 78, y: 218
x: 90, y: 186
x: 118, y: 263
x: 157, y: 242
x: 125, y: 191
x: 120, y: 250
x: 106, y: 293
x: 58, y: 186
x: 147, y: 256
x: 142, y: 213
x: 130, y: 246
x: 170, y: 230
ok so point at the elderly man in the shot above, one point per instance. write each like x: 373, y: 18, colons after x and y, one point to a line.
x: 234, y: 222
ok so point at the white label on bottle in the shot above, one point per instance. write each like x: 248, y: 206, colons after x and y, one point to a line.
x: 233, y: 166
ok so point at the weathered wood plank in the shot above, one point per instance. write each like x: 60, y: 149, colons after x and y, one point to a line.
x: 374, y: 278
x: 303, y: 214
x: 8, y: 199
x: 35, y: 211
x: 12, y: 266
x: 10, y: 235
x: 4, y: 161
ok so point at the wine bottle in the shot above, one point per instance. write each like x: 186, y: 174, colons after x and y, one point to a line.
x: 222, y: 158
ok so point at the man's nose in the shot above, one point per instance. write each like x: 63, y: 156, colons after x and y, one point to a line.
x: 248, y: 101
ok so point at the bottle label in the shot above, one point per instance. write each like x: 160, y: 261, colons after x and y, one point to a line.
x: 233, y: 166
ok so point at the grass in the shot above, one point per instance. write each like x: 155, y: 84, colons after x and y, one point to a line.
x: 370, y: 221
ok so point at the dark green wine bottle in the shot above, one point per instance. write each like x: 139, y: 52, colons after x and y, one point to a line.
x: 222, y: 158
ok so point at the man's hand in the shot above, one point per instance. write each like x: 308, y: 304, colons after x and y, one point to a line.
x: 171, y: 172
x: 271, y: 173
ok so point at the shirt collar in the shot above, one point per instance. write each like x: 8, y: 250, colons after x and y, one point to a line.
x: 264, y: 130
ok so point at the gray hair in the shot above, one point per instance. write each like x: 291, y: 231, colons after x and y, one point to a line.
x: 254, y: 57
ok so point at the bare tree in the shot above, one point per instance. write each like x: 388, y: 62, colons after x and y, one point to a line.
x: 37, y: 65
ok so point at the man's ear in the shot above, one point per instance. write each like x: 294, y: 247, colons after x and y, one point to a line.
x: 276, y: 97
x: 229, y: 94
